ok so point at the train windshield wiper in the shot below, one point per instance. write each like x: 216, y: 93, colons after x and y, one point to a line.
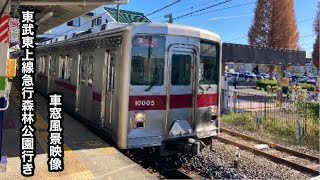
x: 151, y: 85
x: 209, y: 86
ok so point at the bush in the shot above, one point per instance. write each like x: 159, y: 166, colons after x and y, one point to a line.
x: 277, y: 129
x: 264, y: 83
x: 309, y: 87
x: 240, y: 119
x: 311, y: 109
x: 271, y: 85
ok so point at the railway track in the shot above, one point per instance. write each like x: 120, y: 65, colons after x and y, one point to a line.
x: 277, y: 153
x: 164, y: 168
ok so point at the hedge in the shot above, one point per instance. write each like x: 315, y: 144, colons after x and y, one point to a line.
x: 264, y: 83
x: 309, y: 87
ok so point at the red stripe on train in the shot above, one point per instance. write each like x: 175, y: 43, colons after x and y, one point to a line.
x: 176, y: 101
x: 41, y: 76
x: 96, y: 96
x: 66, y: 85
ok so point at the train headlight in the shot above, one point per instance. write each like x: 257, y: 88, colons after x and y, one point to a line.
x: 139, y: 119
x: 213, y: 110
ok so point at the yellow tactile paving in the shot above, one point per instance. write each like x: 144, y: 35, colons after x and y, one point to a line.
x: 74, y: 168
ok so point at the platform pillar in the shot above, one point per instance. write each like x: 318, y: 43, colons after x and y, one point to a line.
x: 3, y: 159
x: 4, y: 55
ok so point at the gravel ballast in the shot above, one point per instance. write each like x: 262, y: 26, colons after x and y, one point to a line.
x: 218, y: 164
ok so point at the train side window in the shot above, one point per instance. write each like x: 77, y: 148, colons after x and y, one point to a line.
x: 181, y: 69
x: 209, y: 63
x: 53, y: 66
x: 42, y: 65
x: 38, y: 65
x: 90, y: 71
x: 44, y: 68
x: 68, y: 68
x: 111, y: 72
x: 83, y: 69
x: 62, y: 67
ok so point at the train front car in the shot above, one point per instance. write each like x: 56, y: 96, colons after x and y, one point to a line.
x: 173, y: 87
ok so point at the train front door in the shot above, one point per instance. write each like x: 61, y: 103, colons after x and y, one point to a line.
x: 181, y: 88
x: 52, y: 73
x: 85, y: 84
x: 109, y: 86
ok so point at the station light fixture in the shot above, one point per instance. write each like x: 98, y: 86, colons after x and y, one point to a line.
x: 11, y: 68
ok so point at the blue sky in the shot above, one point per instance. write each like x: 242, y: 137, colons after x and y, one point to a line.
x: 231, y: 24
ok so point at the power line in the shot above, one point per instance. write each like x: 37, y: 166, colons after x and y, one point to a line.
x: 163, y: 8
x: 191, y: 7
x: 157, y: 10
x: 208, y: 7
x: 106, y: 13
x: 243, y: 37
x: 310, y: 35
x: 305, y: 20
x: 239, y: 5
x: 301, y: 37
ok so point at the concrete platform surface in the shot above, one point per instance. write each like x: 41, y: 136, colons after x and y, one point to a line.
x: 86, y: 155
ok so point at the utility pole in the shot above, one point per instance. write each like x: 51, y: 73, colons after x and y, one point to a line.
x: 4, y: 55
x: 118, y: 12
x: 170, y: 18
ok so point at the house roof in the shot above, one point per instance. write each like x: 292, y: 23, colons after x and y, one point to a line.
x: 127, y: 16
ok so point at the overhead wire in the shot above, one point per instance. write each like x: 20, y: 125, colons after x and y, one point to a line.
x: 310, y: 35
x: 114, y: 8
x: 188, y: 8
x: 163, y: 7
x: 239, y: 5
x: 202, y: 9
x: 171, y: 4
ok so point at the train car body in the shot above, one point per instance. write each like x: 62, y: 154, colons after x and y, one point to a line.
x: 144, y: 85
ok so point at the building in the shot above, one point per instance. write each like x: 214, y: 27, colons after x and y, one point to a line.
x: 99, y: 19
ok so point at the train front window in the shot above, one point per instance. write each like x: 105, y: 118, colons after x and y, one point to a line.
x: 181, y: 69
x: 147, y: 66
x: 209, y: 64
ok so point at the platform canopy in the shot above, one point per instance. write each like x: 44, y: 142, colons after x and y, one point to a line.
x: 51, y: 13
x: 239, y: 53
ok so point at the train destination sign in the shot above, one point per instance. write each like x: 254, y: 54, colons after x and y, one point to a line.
x: 147, y: 41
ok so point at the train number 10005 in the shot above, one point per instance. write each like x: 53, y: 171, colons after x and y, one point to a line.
x: 144, y: 103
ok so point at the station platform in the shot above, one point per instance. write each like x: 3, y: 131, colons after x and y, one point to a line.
x: 86, y: 156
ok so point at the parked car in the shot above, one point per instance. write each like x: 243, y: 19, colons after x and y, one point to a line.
x: 311, y: 81
x: 259, y: 77
x: 302, y: 78
x: 250, y: 77
x: 239, y: 76
x: 264, y: 75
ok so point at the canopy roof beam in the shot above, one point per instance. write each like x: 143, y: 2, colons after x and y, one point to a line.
x: 67, y: 3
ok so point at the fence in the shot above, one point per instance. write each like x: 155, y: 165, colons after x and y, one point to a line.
x: 302, y: 114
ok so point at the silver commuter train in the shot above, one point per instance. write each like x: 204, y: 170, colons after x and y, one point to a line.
x: 145, y: 85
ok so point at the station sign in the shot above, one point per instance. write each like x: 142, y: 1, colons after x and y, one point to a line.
x: 14, y: 30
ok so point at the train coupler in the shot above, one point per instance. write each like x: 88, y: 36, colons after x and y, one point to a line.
x: 193, y: 146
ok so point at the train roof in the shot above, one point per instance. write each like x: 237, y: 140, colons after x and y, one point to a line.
x: 135, y: 28
x: 173, y: 29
